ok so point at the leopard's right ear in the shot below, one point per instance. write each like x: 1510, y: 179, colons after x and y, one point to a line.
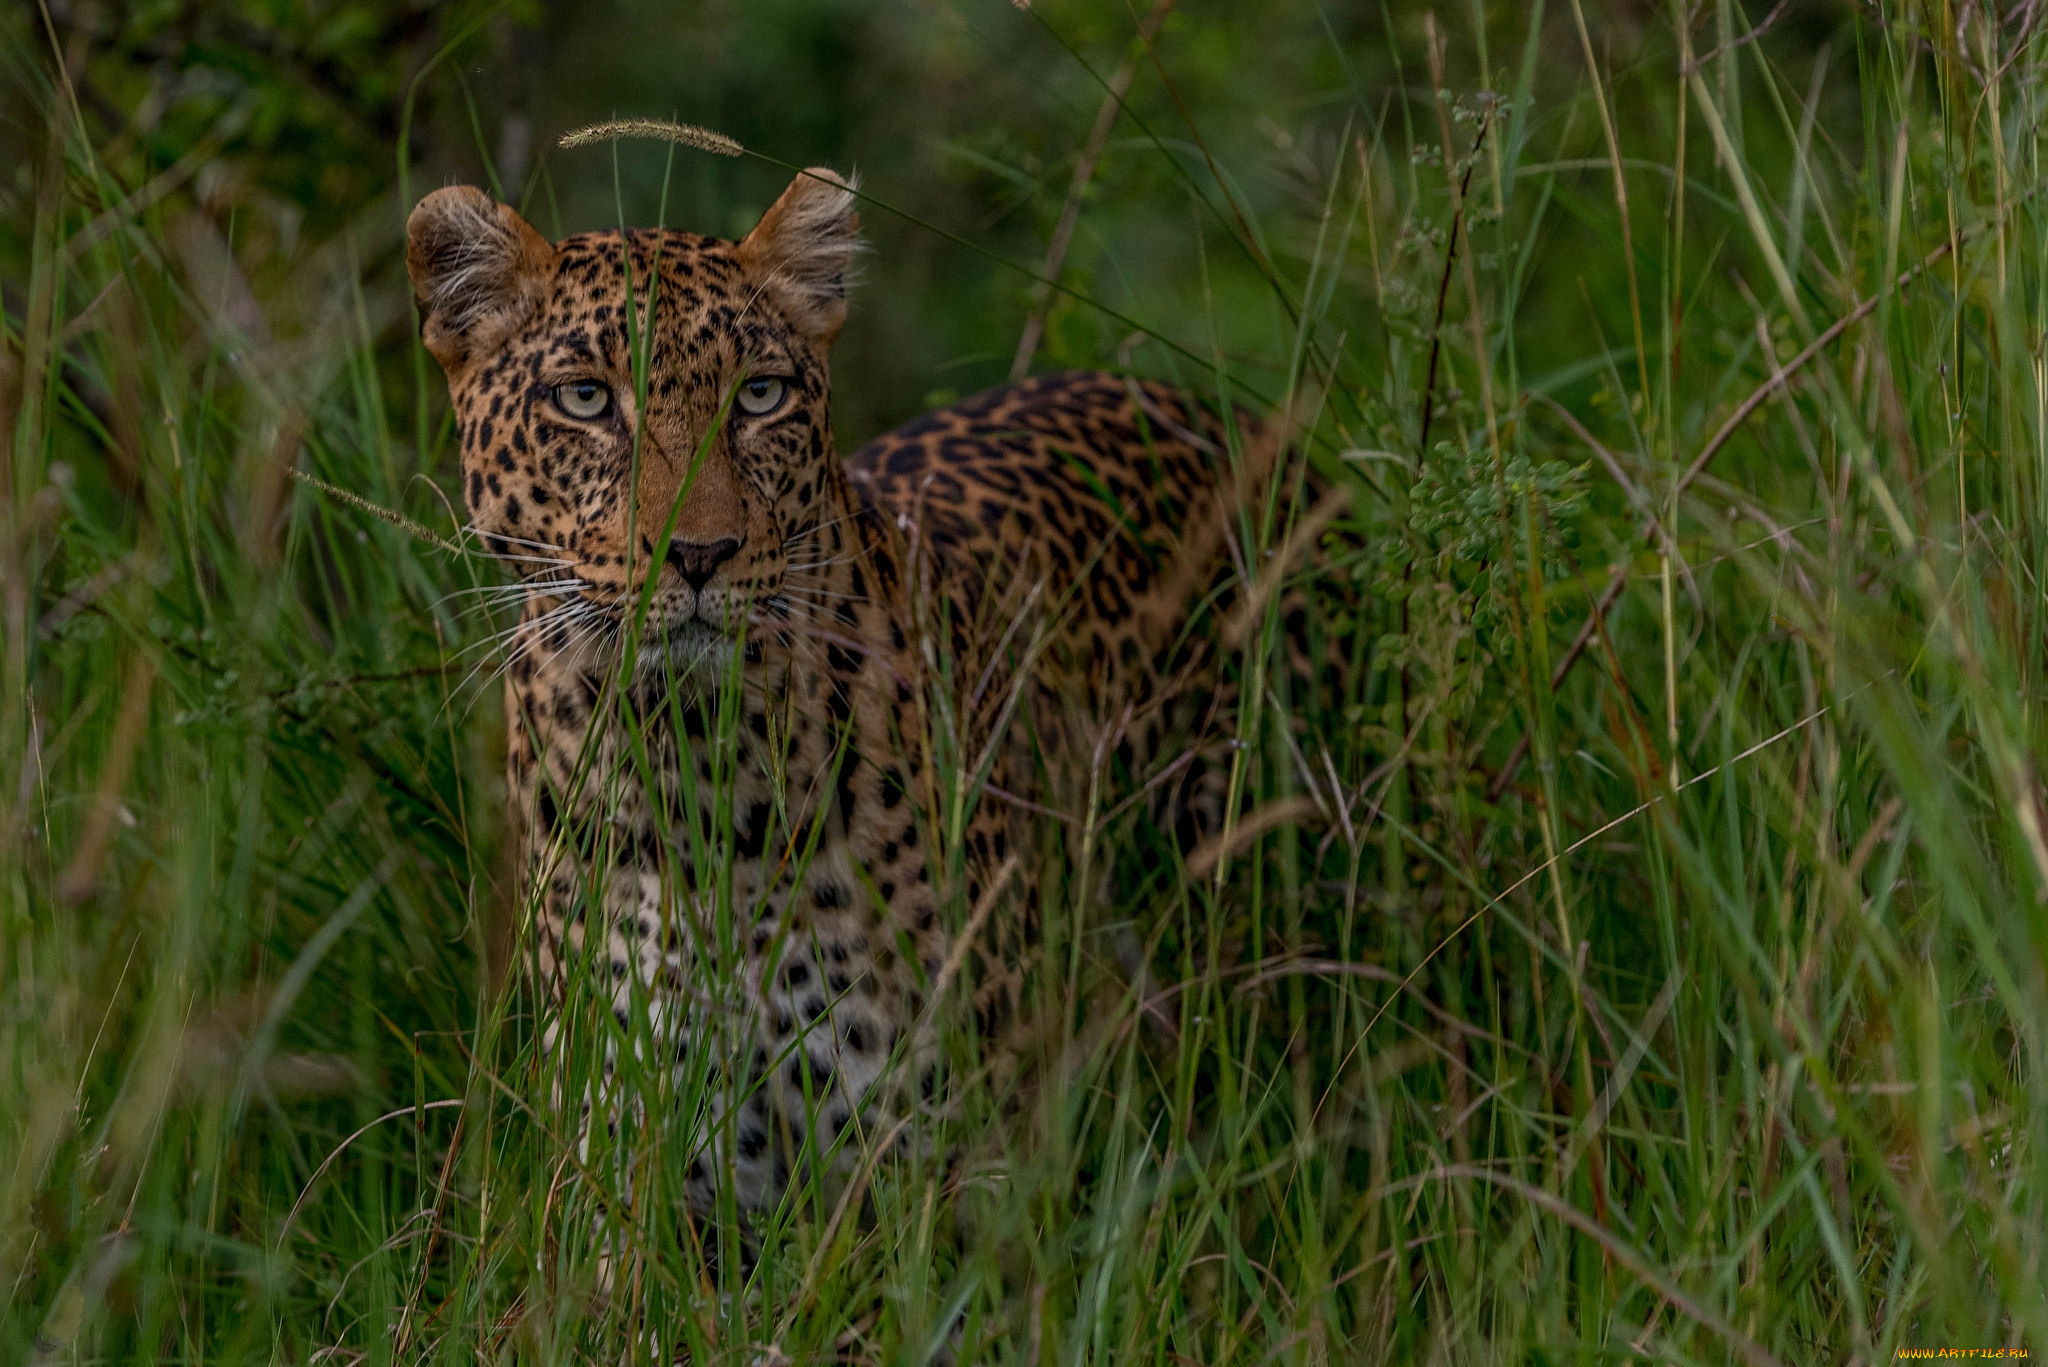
x: 478, y: 270
x: 803, y: 247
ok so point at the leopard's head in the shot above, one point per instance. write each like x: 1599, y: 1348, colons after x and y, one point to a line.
x: 571, y: 476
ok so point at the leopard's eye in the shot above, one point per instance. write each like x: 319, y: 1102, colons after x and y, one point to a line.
x: 762, y: 395
x: 584, y: 399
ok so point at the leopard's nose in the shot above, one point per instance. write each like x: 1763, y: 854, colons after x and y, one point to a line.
x: 697, y: 561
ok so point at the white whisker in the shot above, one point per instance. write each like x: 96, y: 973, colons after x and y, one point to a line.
x: 514, y: 540
x: 512, y: 591
x: 544, y: 626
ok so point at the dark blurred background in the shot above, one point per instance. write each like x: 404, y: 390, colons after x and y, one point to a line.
x: 311, y: 123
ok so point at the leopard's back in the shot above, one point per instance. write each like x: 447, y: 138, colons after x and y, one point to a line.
x: 1112, y: 495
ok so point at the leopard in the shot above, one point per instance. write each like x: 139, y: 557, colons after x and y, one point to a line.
x: 644, y: 424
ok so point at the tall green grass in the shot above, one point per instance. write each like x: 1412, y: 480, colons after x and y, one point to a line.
x: 1638, y: 956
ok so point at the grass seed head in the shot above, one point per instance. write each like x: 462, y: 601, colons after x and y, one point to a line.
x: 688, y: 134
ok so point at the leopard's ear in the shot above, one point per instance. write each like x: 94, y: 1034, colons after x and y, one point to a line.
x: 478, y: 270
x: 802, y: 249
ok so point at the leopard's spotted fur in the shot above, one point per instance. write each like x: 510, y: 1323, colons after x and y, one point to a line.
x: 1102, y: 494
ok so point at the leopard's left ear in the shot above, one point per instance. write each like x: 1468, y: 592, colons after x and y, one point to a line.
x: 802, y: 249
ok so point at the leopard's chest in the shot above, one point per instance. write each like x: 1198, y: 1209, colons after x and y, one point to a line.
x: 743, y: 865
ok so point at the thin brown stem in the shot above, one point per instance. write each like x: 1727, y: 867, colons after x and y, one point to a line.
x: 1077, y: 189
x: 1769, y: 20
